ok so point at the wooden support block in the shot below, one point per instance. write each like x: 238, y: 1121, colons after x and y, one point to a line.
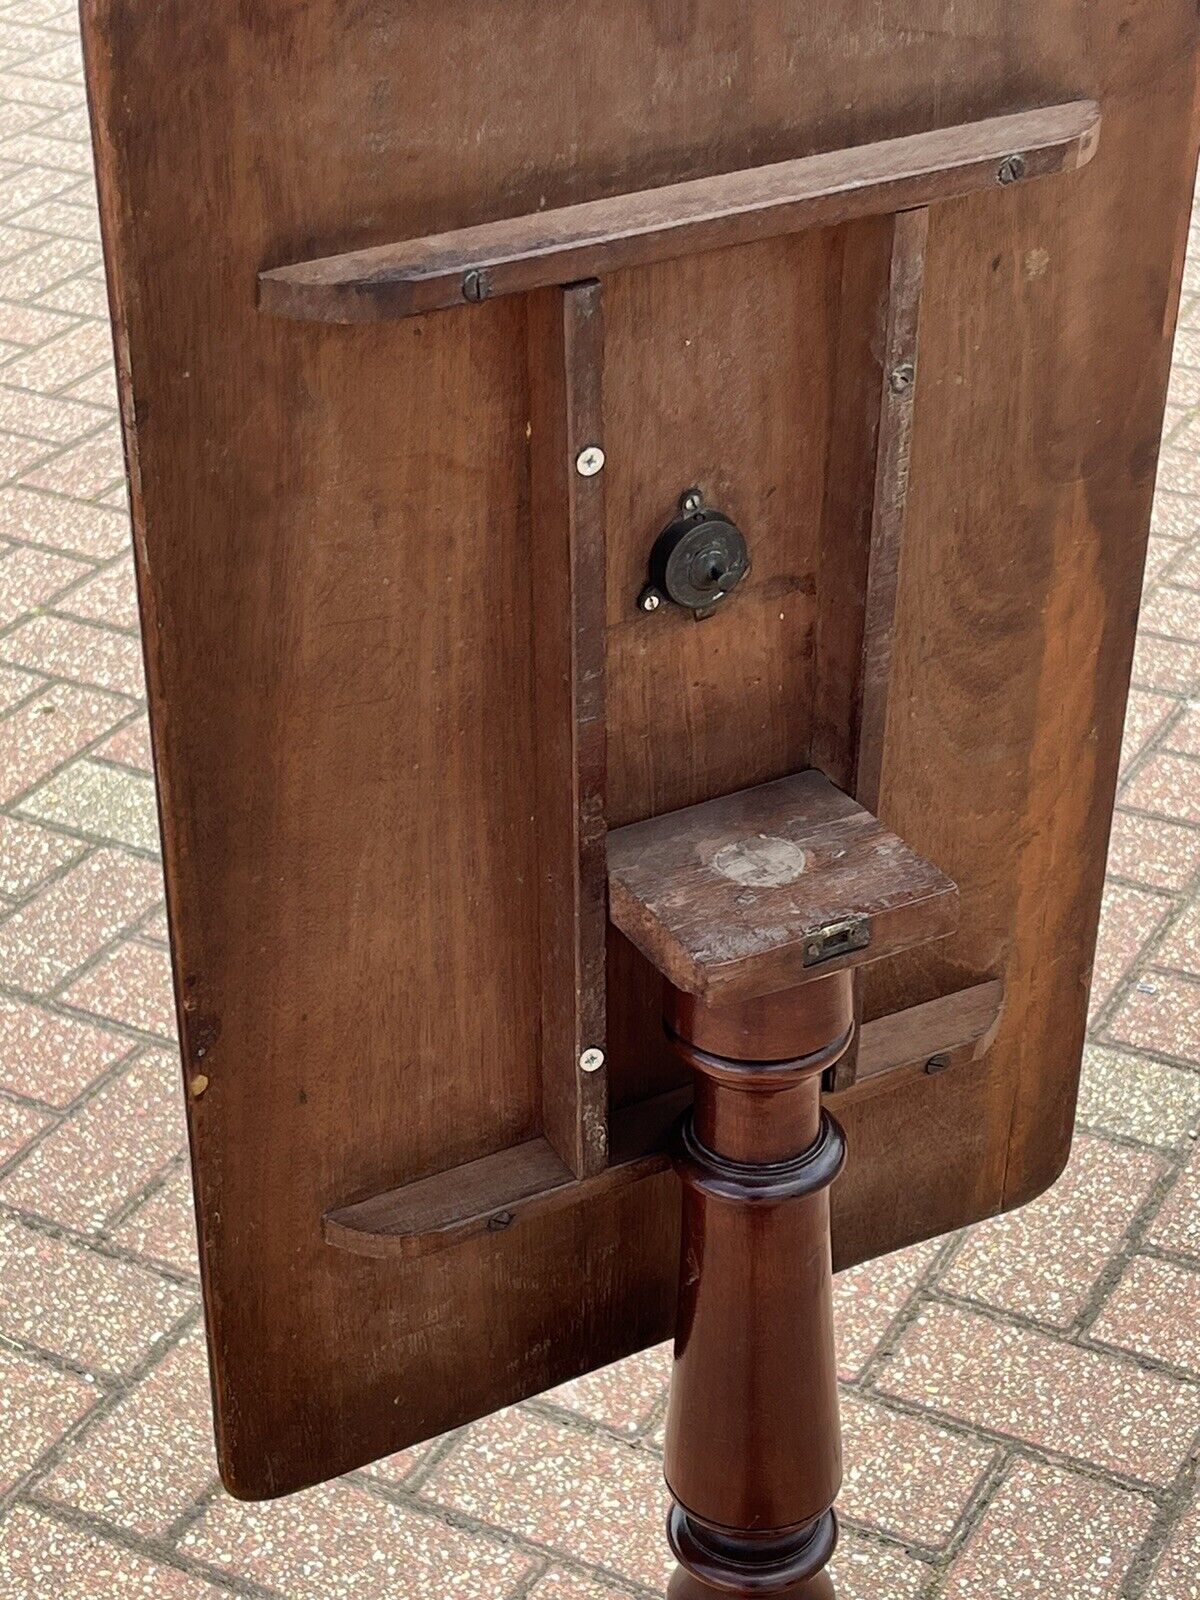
x: 513, y: 1186
x: 566, y: 361
x: 517, y: 254
x: 771, y: 887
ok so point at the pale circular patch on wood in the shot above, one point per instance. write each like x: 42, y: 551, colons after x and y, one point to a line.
x: 764, y: 862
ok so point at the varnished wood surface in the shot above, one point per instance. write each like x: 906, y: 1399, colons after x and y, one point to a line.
x: 727, y: 898
x: 332, y: 541
x: 507, y: 1190
x: 565, y: 344
x: 753, y: 1454
x: 632, y: 230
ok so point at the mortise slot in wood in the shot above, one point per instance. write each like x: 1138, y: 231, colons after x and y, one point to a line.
x: 565, y: 358
x: 501, y: 1191
x: 518, y: 254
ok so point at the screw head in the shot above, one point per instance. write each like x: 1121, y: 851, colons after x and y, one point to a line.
x: 476, y: 285
x: 1012, y: 169
x: 903, y: 377
x: 591, y: 1060
x: 589, y: 461
x: 651, y: 600
x: 937, y: 1064
x: 692, y: 500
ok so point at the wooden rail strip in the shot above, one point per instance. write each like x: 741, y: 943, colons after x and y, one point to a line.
x: 500, y: 1191
x: 598, y: 236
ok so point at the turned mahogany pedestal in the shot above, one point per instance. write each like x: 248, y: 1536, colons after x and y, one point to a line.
x: 758, y: 908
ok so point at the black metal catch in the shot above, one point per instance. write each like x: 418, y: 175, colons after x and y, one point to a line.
x: 697, y: 560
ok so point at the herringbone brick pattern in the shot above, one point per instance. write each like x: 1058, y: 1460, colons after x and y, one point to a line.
x: 1022, y: 1403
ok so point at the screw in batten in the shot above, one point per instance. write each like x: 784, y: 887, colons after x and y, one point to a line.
x: 1012, y: 169
x: 589, y: 461
x: 591, y: 1060
x: 476, y: 286
x: 903, y: 377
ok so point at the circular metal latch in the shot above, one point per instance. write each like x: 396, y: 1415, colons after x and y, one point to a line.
x: 697, y: 559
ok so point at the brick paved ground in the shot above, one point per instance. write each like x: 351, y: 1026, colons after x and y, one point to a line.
x: 1022, y: 1403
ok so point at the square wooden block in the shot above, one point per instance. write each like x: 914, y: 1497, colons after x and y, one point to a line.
x: 771, y: 887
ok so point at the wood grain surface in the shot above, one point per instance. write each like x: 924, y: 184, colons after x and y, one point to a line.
x: 599, y: 236
x: 333, y: 543
x: 726, y: 899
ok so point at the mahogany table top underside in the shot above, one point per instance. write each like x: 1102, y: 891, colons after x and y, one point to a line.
x: 339, y: 594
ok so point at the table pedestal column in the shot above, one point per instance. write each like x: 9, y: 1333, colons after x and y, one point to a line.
x: 753, y: 1456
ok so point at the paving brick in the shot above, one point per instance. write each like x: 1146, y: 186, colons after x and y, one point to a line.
x: 1168, y: 784
x: 52, y: 1058
x: 46, y: 519
x: 40, y: 416
x: 1044, y: 1260
x: 85, y: 1170
x: 38, y: 1404
x: 1177, y: 1575
x: 1098, y: 1408
x: 1158, y: 854
x: 1179, y: 470
x: 63, y: 219
x: 1180, y: 945
x: 1173, y: 611
x: 1167, y: 664
x: 84, y: 471
x: 1130, y: 919
x: 1177, y: 1226
x: 30, y: 578
x: 16, y: 686
x: 1160, y: 552
x: 1176, y: 514
x: 19, y: 1124
x: 83, y: 296
x: 75, y: 354
x: 163, y: 1228
x: 44, y: 1558
x: 621, y: 1396
x: 150, y: 1459
x: 1163, y: 1016
x: 24, y: 325
x: 1054, y: 1534
x: 97, y: 1313
x: 564, y: 1586
x: 1137, y: 1098
x: 29, y: 854
x: 863, y: 1570
x: 99, y: 388
x: 1185, y: 731
x: 868, y: 1299
x: 342, y: 1543
x: 132, y: 984
x: 36, y: 91
x: 18, y: 455
x: 1144, y: 716
x: 129, y: 747
x: 74, y: 917
x: 78, y: 650
x: 109, y: 597
x: 106, y: 802
x: 1155, y: 1312
x: 1186, y: 570
x: 904, y: 1476
x: 578, y: 1493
